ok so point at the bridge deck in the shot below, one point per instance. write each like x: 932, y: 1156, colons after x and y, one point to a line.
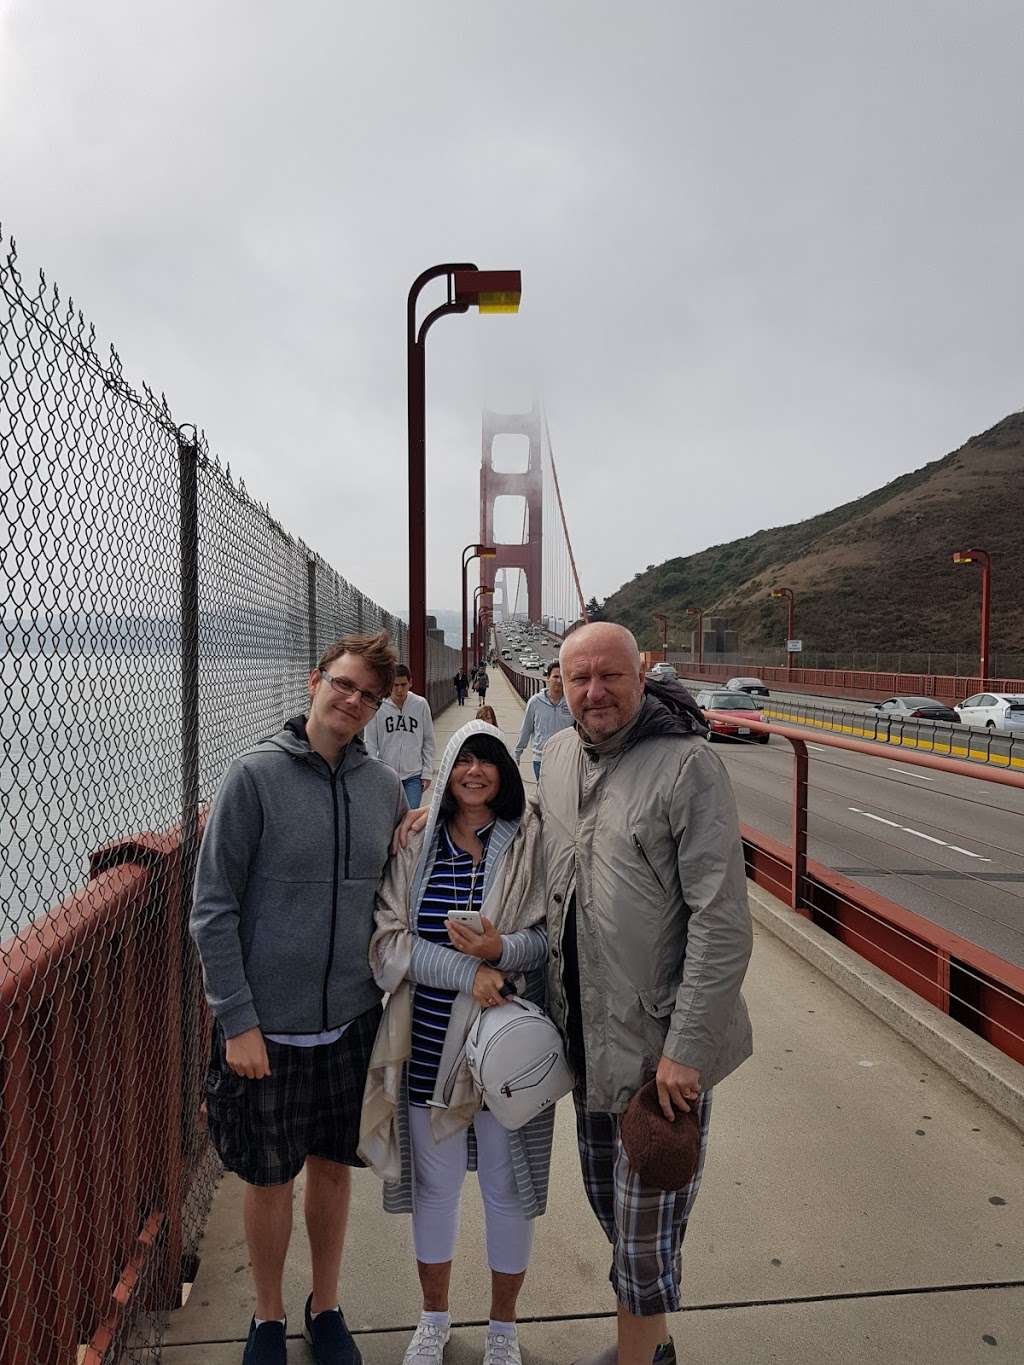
x: 858, y: 1206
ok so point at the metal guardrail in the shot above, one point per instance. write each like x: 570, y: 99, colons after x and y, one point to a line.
x: 937, y: 737
x: 978, y: 988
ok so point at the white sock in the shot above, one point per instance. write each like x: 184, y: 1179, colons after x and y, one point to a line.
x: 442, y: 1321
x: 260, y: 1321
x: 335, y: 1309
x: 507, y: 1329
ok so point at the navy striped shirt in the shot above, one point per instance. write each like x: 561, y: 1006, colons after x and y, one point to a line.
x: 455, y: 884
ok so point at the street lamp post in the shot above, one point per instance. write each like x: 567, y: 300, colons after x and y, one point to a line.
x: 790, y: 626
x: 479, y: 552
x: 983, y: 558
x: 660, y: 616
x: 699, y: 613
x: 492, y: 291
x: 479, y: 591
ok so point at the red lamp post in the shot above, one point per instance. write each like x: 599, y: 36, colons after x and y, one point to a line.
x: 660, y: 616
x: 492, y: 291
x: 479, y: 591
x: 479, y: 552
x: 983, y: 558
x: 788, y: 593
x: 699, y: 613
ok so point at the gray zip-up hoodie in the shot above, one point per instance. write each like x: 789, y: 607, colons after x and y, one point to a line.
x: 285, y: 885
x: 543, y: 719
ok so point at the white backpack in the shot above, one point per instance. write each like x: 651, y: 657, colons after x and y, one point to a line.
x: 515, y: 1056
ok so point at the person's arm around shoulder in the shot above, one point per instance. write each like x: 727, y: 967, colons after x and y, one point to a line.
x: 719, y: 935
x: 229, y: 843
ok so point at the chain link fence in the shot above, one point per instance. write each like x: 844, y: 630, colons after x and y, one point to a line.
x: 157, y: 620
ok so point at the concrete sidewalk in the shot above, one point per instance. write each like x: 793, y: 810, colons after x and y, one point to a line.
x: 858, y: 1206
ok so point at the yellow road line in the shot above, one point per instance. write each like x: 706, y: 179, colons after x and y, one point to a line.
x: 907, y: 741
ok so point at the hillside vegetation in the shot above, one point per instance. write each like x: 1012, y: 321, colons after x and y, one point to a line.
x: 875, y: 573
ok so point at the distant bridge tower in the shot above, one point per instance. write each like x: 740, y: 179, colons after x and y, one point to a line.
x: 530, y: 485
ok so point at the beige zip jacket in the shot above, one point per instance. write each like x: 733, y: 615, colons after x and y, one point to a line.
x: 643, y: 830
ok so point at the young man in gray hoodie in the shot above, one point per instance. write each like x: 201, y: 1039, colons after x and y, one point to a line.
x: 293, y: 851
x: 547, y: 712
x: 401, y: 735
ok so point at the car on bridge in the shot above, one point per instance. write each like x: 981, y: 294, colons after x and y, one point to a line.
x: 915, y: 708
x: 753, y: 687
x: 746, y: 709
x: 662, y: 672
x: 993, y: 711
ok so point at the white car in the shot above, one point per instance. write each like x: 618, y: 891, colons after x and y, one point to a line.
x: 662, y: 672
x: 993, y: 711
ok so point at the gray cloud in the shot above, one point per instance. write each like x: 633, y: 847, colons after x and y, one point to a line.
x: 770, y: 252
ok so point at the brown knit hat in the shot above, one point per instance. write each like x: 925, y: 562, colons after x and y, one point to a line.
x: 664, y: 1155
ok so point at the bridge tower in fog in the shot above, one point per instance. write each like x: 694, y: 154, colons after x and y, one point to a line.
x: 529, y: 485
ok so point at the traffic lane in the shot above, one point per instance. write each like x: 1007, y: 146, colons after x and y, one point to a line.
x: 976, y: 819
x: 983, y: 901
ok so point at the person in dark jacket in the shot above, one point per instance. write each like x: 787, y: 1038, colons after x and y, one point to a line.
x: 461, y: 687
x: 294, y: 849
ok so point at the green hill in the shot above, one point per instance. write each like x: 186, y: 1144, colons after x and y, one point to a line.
x: 874, y: 574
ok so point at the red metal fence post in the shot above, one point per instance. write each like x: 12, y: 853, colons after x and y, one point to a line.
x: 799, y: 869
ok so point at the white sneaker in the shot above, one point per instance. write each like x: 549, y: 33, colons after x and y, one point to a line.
x: 502, y: 1349
x: 427, y: 1344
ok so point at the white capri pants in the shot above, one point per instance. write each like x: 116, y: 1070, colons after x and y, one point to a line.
x: 440, y: 1169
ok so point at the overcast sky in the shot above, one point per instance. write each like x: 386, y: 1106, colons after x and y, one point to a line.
x: 771, y: 250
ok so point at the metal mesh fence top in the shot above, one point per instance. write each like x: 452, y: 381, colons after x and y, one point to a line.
x: 157, y: 621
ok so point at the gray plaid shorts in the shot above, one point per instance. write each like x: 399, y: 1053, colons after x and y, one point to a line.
x: 645, y: 1227
x: 309, y: 1105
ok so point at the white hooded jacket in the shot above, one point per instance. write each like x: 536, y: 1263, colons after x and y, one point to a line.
x: 403, y: 737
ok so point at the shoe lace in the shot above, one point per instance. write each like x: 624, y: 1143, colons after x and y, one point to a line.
x: 500, y: 1349
x: 426, y: 1342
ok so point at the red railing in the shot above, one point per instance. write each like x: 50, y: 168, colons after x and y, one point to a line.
x: 978, y: 988
x: 103, y: 1033
x: 839, y: 682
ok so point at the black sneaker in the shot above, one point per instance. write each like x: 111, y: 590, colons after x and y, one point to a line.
x: 328, y: 1334
x: 666, y: 1353
x: 266, y: 1344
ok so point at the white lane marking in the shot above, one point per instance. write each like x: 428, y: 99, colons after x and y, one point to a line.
x: 822, y: 748
x: 910, y: 772
x: 907, y: 830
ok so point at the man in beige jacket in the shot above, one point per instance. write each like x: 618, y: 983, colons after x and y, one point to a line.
x: 649, y: 933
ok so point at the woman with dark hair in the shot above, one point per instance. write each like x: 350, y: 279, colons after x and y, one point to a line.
x: 422, y: 1124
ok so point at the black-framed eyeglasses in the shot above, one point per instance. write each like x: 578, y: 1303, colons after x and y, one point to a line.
x: 348, y: 690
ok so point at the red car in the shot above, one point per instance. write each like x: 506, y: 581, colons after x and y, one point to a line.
x: 732, y: 729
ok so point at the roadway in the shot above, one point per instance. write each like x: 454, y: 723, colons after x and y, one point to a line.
x: 947, y: 847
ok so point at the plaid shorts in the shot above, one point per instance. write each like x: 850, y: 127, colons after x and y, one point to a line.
x: 646, y: 1227
x: 309, y: 1105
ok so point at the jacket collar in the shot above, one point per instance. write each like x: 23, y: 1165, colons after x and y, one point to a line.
x: 294, y: 741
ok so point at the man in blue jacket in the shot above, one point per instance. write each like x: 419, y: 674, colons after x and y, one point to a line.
x: 547, y: 712
x: 284, y: 897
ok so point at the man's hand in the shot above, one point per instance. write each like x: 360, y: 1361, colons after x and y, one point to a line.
x: 676, y: 1084
x: 487, y: 945
x: 246, y: 1055
x: 411, y: 823
x: 487, y: 987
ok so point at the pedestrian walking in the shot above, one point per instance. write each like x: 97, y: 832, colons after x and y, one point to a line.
x: 401, y: 734
x: 481, y: 683
x: 650, y: 934
x: 461, y: 683
x: 547, y: 712
x: 294, y: 848
x: 423, y: 1125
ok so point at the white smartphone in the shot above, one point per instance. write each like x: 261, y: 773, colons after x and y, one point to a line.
x: 469, y: 919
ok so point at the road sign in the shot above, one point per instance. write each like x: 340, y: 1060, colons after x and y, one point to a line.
x: 794, y: 646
